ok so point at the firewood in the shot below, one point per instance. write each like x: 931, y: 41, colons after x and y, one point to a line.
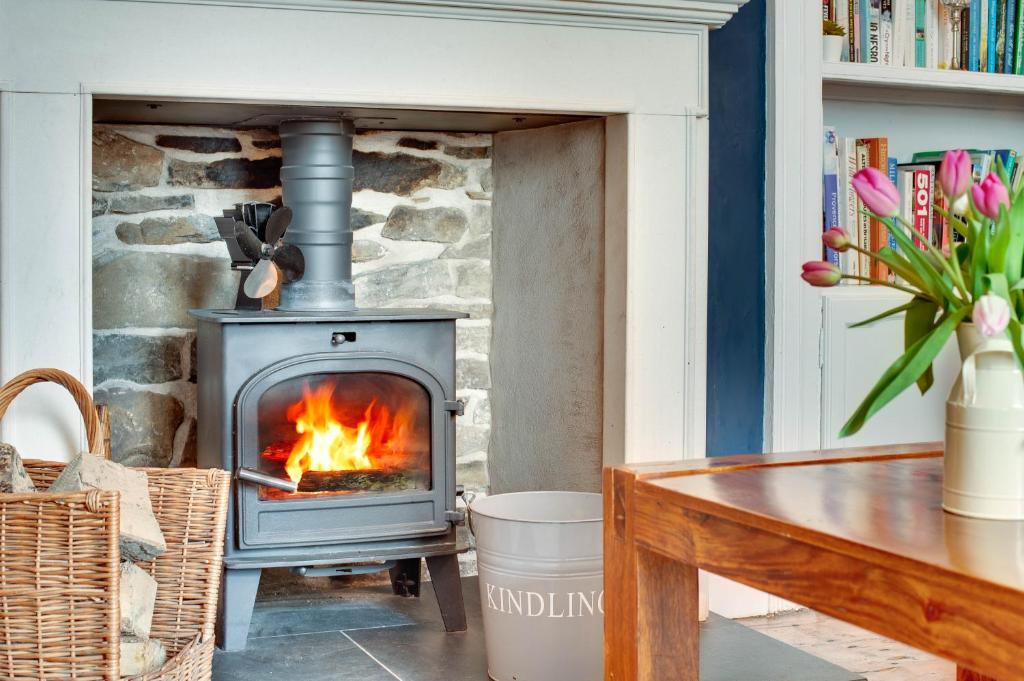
x: 353, y: 481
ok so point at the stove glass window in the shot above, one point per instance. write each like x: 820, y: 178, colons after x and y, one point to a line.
x: 345, y: 433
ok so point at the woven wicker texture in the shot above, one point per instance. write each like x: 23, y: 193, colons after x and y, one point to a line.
x: 60, y: 568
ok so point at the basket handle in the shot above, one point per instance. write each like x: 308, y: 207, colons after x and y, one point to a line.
x: 93, y: 431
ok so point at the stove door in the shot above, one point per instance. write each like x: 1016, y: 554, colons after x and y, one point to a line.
x: 364, y: 437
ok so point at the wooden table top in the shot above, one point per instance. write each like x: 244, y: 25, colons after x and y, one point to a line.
x: 889, y: 507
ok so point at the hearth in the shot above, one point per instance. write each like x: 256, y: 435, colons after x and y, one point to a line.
x: 337, y: 422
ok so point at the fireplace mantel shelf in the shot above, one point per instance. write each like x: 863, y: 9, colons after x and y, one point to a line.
x: 664, y: 15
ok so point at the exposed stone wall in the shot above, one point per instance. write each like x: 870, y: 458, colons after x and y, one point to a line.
x: 422, y: 211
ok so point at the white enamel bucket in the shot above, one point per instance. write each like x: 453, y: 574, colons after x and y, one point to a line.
x: 540, y: 560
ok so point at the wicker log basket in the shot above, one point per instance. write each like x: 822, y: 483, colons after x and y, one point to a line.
x: 60, y: 566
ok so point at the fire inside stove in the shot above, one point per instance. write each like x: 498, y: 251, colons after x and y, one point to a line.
x: 346, y: 433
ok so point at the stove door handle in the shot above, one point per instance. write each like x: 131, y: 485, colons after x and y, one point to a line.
x: 260, y: 478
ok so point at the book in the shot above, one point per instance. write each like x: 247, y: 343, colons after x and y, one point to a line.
x: 1011, y: 32
x: 878, y: 158
x: 849, y: 219
x: 842, y: 12
x: 855, y: 34
x: 923, y: 188
x: 863, y: 233
x: 906, y: 13
x: 973, y: 15
x: 983, y: 35
x: 830, y: 187
x: 885, y: 33
x: 965, y: 40
x: 826, y: 11
x: 1018, y: 47
x: 920, y: 35
x: 935, y: 37
x: 894, y: 178
x: 870, y: 21
x: 990, y: 47
x: 1000, y: 35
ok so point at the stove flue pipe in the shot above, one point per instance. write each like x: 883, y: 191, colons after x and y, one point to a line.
x: 316, y: 182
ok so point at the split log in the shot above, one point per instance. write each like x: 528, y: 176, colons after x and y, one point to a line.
x: 354, y: 481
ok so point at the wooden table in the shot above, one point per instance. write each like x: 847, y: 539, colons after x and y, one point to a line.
x: 857, y: 534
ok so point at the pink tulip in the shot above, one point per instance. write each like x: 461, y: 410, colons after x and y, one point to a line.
x: 955, y: 173
x: 877, y: 192
x: 990, y: 195
x: 818, y: 273
x: 991, y: 314
x: 836, y: 239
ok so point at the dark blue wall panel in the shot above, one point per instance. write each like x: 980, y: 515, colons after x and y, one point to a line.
x: 736, y: 286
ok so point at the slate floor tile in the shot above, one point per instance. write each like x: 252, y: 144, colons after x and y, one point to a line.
x: 311, y: 657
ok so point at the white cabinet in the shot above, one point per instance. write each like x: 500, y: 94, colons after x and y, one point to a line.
x: 852, y: 360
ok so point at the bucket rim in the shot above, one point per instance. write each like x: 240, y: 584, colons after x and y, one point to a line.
x: 498, y: 516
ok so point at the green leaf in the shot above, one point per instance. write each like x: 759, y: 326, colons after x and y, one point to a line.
x: 905, y: 371
x: 1014, y: 332
x: 887, y: 313
x: 996, y: 283
x: 932, y: 281
x: 918, y: 323
x: 904, y: 269
x: 1015, y: 249
x: 1001, y: 171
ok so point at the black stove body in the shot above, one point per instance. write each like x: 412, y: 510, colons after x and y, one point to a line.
x: 273, y: 384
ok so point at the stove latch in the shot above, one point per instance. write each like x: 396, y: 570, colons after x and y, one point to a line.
x: 458, y: 517
x: 457, y: 407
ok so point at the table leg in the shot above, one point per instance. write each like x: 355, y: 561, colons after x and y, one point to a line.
x: 667, y: 608
x: 620, y: 623
x: 967, y: 675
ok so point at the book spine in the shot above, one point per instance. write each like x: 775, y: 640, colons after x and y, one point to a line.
x: 870, y: 22
x: 1018, y: 47
x: 850, y: 262
x: 842, y: 11
x: 983, y: 35
x: 863, y: 221
x: 1000, y: 35
x: 885, y: 33
x: 935, y: 36
x: 855, y: 34
x: 826, y: 10
x: 920, y: 40
x: 893, y: 177
x: 990, y: 47
x: 830, y: 194
x: 1010, y: 39
x: 922, y: 207
x: 965, y: 40
x: 974, y: 41
x: 909, y: 31
x: 878, y: 157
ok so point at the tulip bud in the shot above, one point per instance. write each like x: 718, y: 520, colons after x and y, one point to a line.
x: 991, y: 314
x: 836, y: 239
x: 990, y: 195
x: 877, y: 192
x: 955, y: 173
x: 818, y: 273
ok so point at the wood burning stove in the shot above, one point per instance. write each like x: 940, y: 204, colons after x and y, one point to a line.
x: 338, y: 423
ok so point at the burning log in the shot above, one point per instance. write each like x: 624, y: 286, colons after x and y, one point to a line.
x: 353, y: 481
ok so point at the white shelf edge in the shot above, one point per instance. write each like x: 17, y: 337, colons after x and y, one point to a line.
x: 863, y: 292
x: 904, y: 78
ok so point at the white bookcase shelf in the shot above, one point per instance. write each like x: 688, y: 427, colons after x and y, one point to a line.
x: 914, y: 86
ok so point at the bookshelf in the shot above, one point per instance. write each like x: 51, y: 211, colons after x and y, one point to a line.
x: 812, y: 382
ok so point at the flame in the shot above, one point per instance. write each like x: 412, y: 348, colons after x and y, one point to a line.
x: 327, y: 443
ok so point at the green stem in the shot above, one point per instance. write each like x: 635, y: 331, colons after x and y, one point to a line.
x: 954, y: 275
x: 879, y: 282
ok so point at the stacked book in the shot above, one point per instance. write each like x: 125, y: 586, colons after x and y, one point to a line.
x: 843, y: 157
x: 920, y: 33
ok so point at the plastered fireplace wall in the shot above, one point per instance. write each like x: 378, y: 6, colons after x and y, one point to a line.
x: 422, y: 214
x: 547, y: 355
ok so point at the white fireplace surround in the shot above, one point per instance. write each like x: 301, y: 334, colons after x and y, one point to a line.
x: 641, y: 64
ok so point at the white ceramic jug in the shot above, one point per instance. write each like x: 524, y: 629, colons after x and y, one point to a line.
x: 984, y: 464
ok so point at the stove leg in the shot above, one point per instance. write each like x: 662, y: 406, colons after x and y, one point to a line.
x: 237, y: 598
x: 444, y: 574
x: 405, y: 577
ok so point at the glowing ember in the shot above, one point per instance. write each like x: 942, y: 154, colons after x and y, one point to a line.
x: 328, y: 443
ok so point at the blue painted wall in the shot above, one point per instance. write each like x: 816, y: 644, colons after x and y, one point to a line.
x: 736, y: 286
